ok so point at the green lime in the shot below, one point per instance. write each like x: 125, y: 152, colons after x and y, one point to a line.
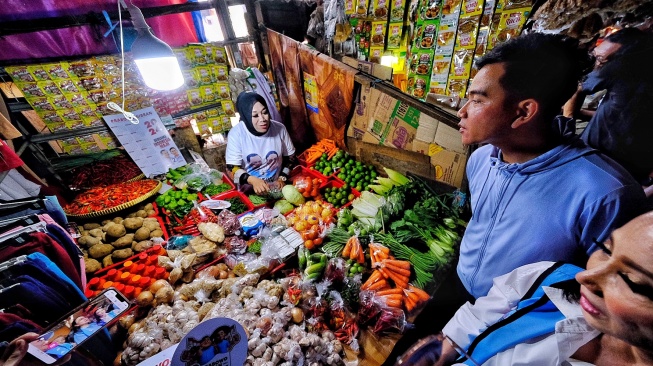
x: 351, y: 197
x: 343, y: 201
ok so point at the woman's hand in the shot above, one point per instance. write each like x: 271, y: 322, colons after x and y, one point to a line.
x: 260, y: 186
x: 14, y: 354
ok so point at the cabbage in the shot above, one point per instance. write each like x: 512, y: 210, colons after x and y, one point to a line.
x: 292, y: 195
x: 284, y: 206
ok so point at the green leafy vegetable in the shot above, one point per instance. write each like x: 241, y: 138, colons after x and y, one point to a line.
x: 213, y: 189
x: 237, y: 205
x: 257, y: 200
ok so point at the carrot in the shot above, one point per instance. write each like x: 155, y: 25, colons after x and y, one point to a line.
x: 374, y: 277
x: 398, y: 263
x: 378, y: 285
x: 361, y: 256
x: 385, y: 250
x: 347, y: 250
x: 423, y: 295
x: 411, y: 295
x: 397, y: 270
x: 399, y: 280
x: 409, y: 304
x: 393, y: 303
x: 392, y: 291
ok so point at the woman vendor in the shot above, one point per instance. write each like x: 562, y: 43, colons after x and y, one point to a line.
x: 259, y: 150
x: 549, y: 313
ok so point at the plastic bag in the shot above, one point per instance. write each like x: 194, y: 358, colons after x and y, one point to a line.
x: 391, y: 319
x: 178, y: 242
x: 235, y: 245
x: 369, y: 309
x: 229, y: 222
x: 335, y: 271
x: 193, y: 182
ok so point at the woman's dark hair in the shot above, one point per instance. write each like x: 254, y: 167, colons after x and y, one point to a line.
x: 570, y: 290
x: 544, y: 67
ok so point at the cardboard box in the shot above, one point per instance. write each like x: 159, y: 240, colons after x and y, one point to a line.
x: 402, y: 127
x: 449, y: 138
x: 362, y: 112
x: 377, y: 70
x: 449, y: 165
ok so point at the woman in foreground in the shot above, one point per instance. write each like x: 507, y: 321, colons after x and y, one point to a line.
x: 536, y: 315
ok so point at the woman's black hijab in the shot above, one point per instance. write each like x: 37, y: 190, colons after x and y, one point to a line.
x: 244, y: 105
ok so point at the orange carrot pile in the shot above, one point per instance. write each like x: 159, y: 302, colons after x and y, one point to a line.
x: 354, y: 250
x: 314, y: 152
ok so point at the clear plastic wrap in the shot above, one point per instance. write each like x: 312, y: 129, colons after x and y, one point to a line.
x: 229, y: 222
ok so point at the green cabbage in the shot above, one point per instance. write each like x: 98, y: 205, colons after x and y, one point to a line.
x: 284, y: 206
x: 292, y: 195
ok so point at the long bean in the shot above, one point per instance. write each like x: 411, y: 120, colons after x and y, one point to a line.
x: 423, y: 263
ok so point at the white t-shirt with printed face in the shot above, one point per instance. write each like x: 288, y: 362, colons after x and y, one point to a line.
x: 260, y: 156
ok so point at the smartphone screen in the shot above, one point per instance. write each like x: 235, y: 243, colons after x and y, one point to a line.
x: 82, y: 323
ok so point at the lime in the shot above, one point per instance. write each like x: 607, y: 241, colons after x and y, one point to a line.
x: 346, y: 186
x: 359, y: 188
x: 351, y: 197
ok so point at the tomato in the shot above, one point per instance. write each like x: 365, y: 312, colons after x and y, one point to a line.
x: 317, y: 241
x: 309, y: 244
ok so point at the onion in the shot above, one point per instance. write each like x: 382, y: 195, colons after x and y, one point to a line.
x: 297, y: 315
x: 145, y: 298
x: 223, y: 274
x: 164, y: 295
x: 127, y: 320
x: 157, y: 285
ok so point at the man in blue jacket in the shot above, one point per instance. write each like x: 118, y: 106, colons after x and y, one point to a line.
x: 537, y: 192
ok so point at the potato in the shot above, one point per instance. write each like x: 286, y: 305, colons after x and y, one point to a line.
x: 117, y: 220
x: 148, y: 207
x: 88, y: 241
x: 116, y: 231
x: 107, y: 261
x: 133, y: 224
x: 92, y: 265
x: 121, y: 254
x: 151, y: 212
x: 104, y: 222
x: 152, y: 225
x: 141, y: 245
x: 83, y: 233
x: 142, y: 234
x: 156, y: 233
x: 100, y: 250
x: 107, y: 226
x: 141, y: 213
x: 97, y: 232
x: 91, y: 226
x: 133, y: 214
x: 124, y: 242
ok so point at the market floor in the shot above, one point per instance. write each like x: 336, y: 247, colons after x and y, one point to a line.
x: 437, y: 312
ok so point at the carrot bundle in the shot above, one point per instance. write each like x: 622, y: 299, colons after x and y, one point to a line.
x: 313, y: 153
x: 396, y: 270
x: 378, y: 253
x: 414, y: 297
x: 354, y: 250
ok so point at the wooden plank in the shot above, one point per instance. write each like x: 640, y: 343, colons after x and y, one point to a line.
x: 10, y: 90
x: 40, y: 126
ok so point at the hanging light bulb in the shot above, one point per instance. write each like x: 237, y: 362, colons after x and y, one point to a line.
x: 154, y: 58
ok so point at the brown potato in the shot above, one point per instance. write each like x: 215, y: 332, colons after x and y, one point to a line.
x: 100, y: 250
x: 141, y: 245
x: 116, y: 231
x: 121, y: 254
x: 107, y: 261
x: 92, y: 265
x: 156, y: 233
x: 133, y: 224
x: 142, y: 234
x: 91, y: 226
x: 124, y: 242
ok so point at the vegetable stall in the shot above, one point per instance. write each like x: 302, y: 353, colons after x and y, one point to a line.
x: 330, y: 269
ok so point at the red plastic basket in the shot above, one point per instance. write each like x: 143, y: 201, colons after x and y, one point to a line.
x: 237, y: 194
x: 306, y: 172
x: 225, y: 179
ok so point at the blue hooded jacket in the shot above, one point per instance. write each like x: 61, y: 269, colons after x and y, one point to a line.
x: 550, y: 208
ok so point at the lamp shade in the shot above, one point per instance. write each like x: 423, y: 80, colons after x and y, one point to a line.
x: 153, y: 57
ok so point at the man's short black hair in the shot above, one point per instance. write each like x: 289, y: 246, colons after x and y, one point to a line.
x: 544, y: 67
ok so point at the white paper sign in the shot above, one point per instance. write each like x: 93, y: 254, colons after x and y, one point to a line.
x: 147, y: 142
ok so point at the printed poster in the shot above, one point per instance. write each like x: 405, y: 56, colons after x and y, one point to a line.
x: 310, y: 92
x: 148, y: 143
x: 214, y: 342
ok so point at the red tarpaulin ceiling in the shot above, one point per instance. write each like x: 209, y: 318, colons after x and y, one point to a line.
x: 174, y: 29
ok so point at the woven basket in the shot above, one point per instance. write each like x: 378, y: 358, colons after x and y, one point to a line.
x: 121, y: 207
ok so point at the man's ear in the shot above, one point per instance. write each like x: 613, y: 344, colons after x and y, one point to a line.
x: 526, y: 111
